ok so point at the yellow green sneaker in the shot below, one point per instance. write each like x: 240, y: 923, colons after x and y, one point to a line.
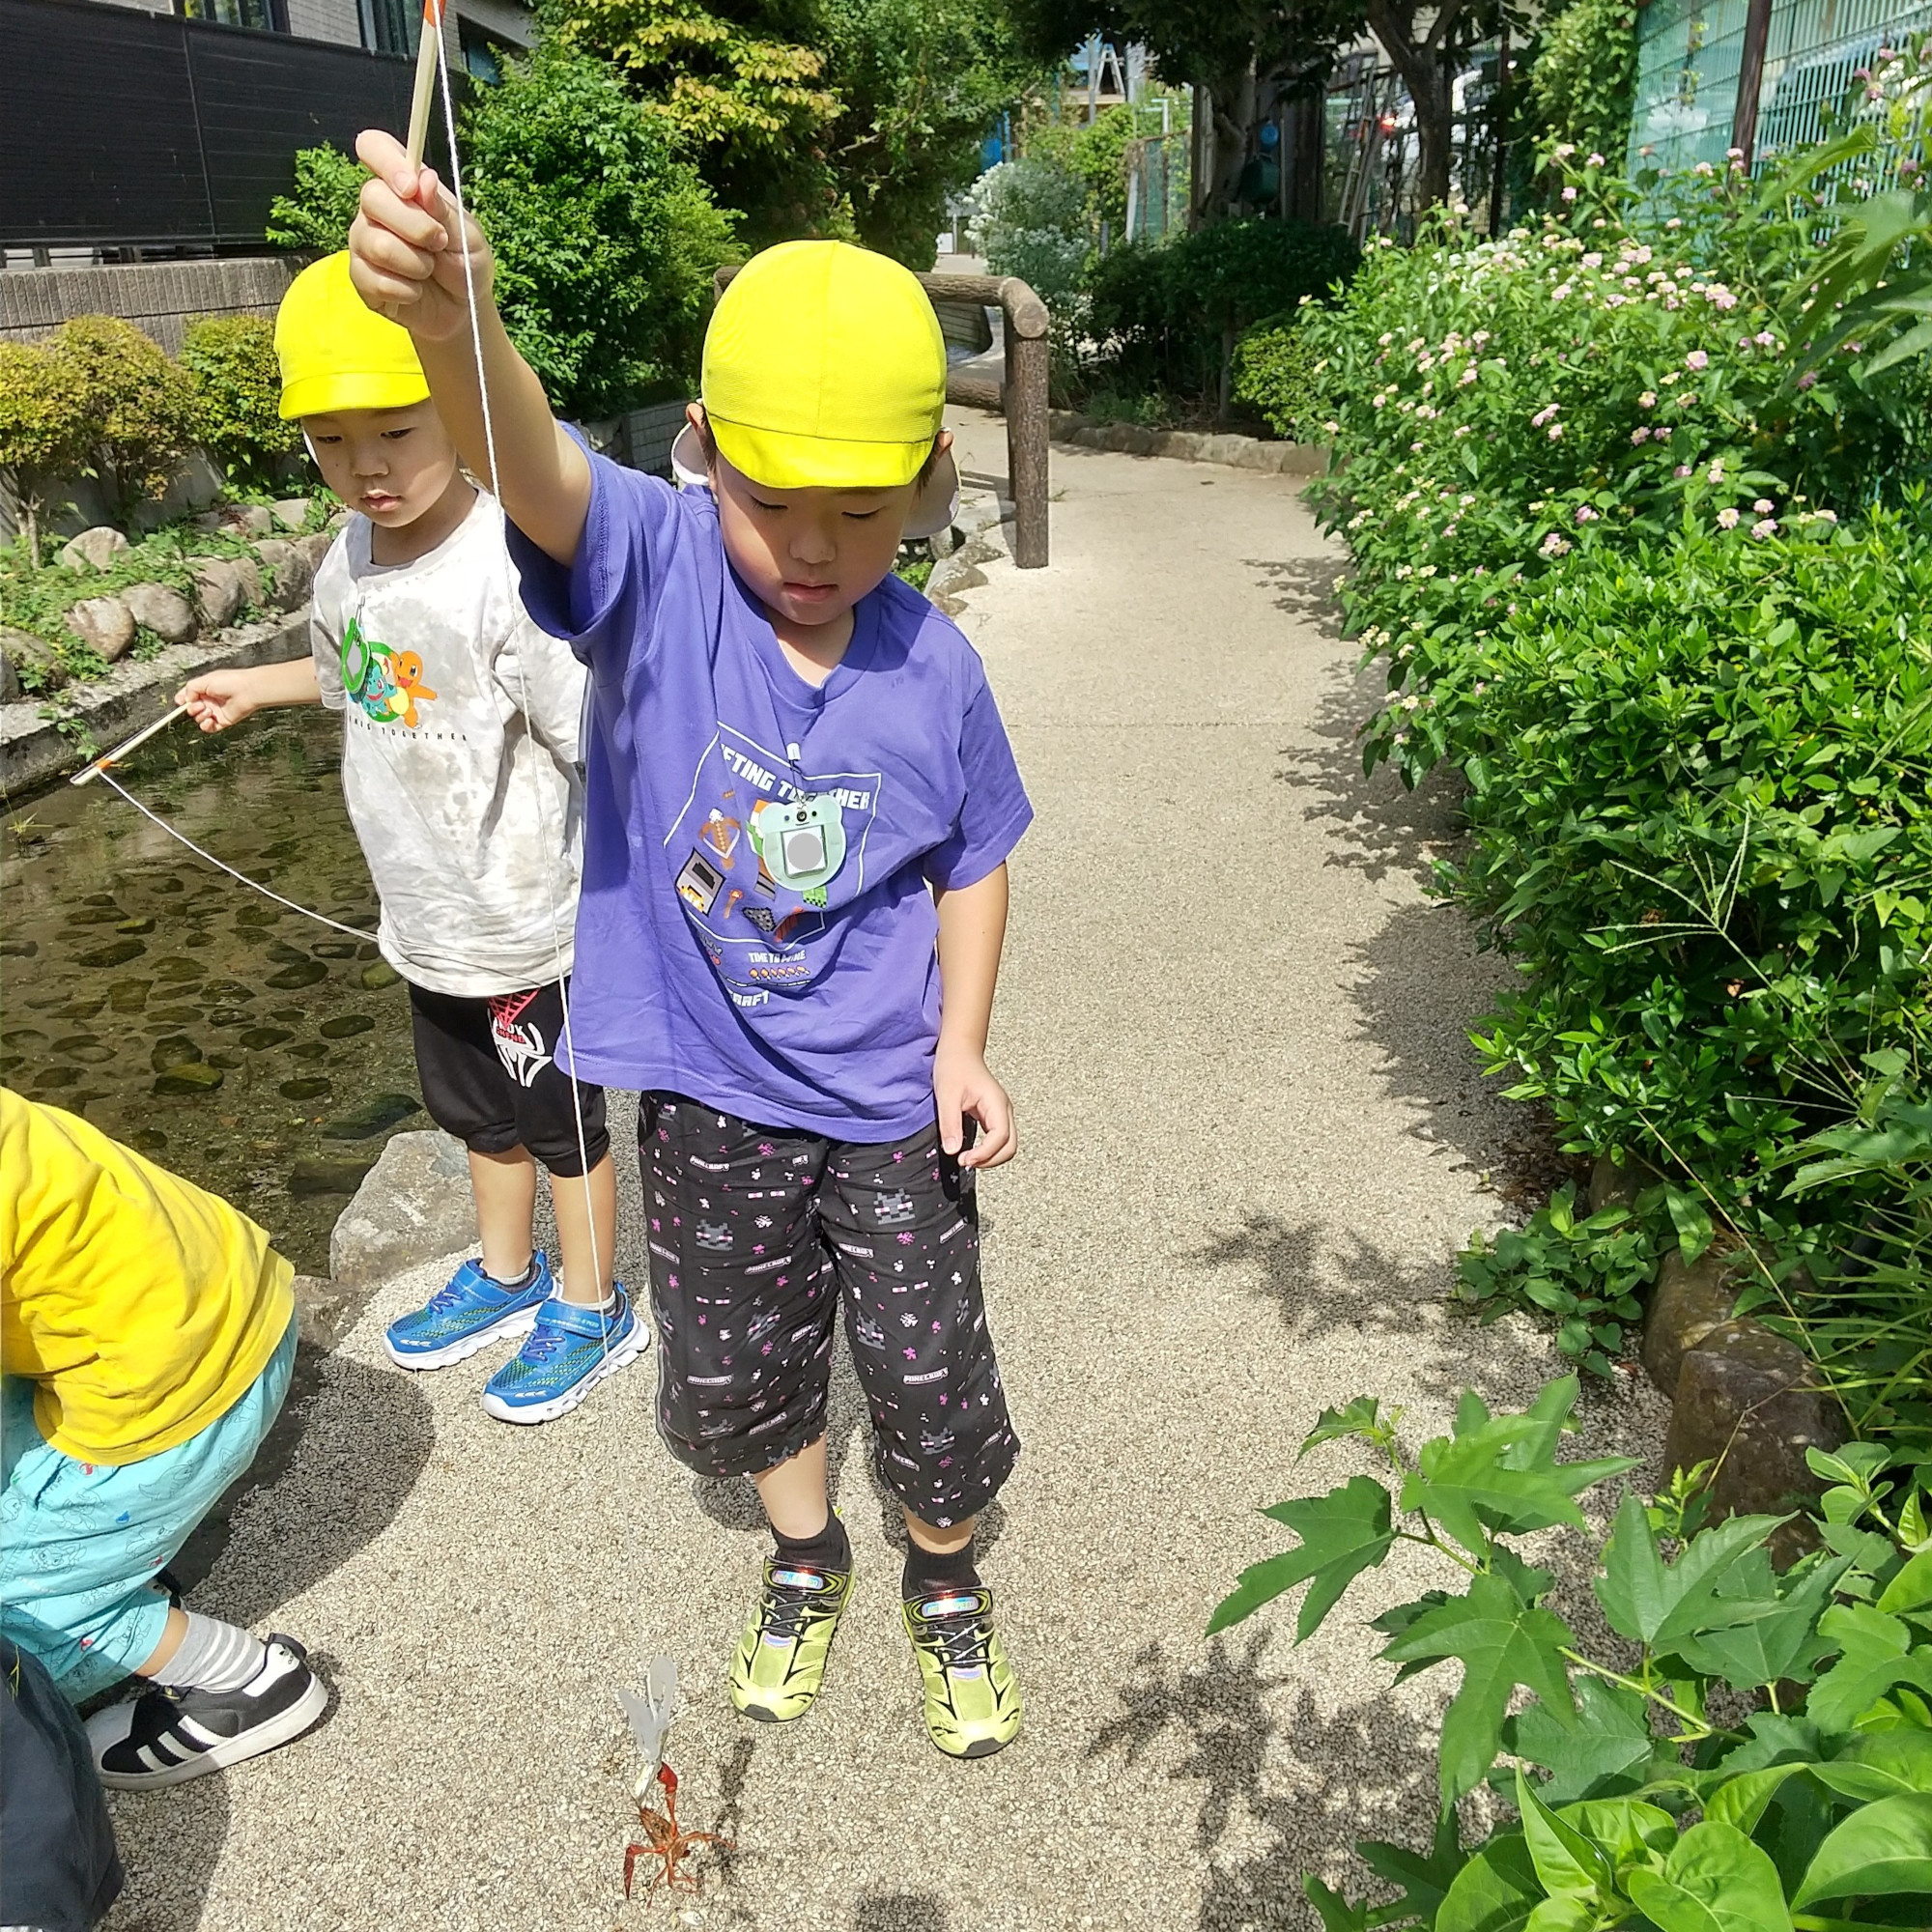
x: 972, y: 1697
x: 779, y: 1663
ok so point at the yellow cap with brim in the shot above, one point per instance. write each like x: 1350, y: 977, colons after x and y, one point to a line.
x: 824, y: 368
x: 338, y: 353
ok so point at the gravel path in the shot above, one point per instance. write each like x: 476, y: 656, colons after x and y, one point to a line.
x: 1254, y: 1135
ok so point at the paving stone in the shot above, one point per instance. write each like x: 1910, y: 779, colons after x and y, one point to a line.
x: 161, y: 609
x: 219, y: 590
x: 1747, y: 1397
x: 413, y: 1205
x: 105, y: 623
x: 93, y: 549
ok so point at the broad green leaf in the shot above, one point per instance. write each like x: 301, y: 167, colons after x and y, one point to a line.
x: 1879, y: 1852
x: 1571, y: 1912
x: 1566, y: 1861
x: 1337, y: 1914
x: 1656, y: 1604
x: 1607, y: 1748
x: 1877, y: 1654
x: 1742, y: 1801
x: 1911, y: 1589
x: 1881, y: 1764
x: 1424, y: 1879
x: 1341, y: 1534
x: 1776, y: 1641
x: 1693, y: 1222
x: 1500, y: 1472
x: 1495, y: 1891
x: 1774, y: 1738
x: 1357, y: 1418
x: 1627, y: 1830
x: 1714, y: 1880
x: 1500, y: 1642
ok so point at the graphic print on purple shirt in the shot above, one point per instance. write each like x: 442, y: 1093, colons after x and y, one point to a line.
x: 715, y: 770
x: 765, y: 845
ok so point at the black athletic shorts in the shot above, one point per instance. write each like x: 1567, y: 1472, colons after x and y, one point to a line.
x: 757, y: 1236
x: 489, y: 1078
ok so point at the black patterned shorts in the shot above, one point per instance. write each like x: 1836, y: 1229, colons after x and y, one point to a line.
x: 757, y: 1236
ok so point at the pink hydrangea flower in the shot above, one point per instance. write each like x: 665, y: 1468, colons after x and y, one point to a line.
x: 1556, y: 432
x: 1569, y: 194
x: 1727, y: 518
x: 1697, y: 359
x: 1682, y: 470
x: 1594, y: 161
x: 1640, y: 436
x: 1648, y: 400
x: 1763, y: 506
x: 1767, y: 528
x: 1584, y: 514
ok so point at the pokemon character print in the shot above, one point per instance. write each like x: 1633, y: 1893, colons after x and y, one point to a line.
x: 383, y: 685
x: 764, y: 854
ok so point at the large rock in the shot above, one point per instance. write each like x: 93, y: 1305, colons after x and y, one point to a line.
x: 23, y: 650
x: 287, y: 571
x: 1615, y: 1184
x: 219, y: 590
x: 1687, y: 1304
x: 323, y: 1309
x: 415, y: 1206
x: 105, y: 623
x: 314, y: 549
x: 1749, y: 1400
x: 291, y: 513
x: 161, y: 609
x: 93, y: 549
x: 249, y: 518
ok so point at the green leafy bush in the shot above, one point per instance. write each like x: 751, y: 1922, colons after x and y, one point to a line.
x: 1582, y: 84
x: 137, y: 406
x: 1811, y: 1819
x: 237, y: 386
x: 44, y: 433
x: 1584, y: 1269
x: 605, y: 238
x: 1168, y: 315
x: 1276, y: 376
x: 327, y: 196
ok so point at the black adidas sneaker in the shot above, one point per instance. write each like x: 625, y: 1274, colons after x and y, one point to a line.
x: 167, y: 1735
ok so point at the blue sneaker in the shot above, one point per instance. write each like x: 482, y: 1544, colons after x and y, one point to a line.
x: 570, y: 1350
x: 468, y: 1312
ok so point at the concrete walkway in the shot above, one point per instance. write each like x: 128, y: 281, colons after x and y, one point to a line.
x: 1254, y: 1137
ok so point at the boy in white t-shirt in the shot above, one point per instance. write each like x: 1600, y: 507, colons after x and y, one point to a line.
x: 460, y: 769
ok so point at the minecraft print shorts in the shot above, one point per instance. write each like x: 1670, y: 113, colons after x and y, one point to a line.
x: 757, y: 1235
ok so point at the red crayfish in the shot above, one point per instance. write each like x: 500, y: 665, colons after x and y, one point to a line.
x: 667, y: 1840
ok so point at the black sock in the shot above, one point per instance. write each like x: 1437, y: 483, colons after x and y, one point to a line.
x: 523, y: 1279
x: 927, y: 1572
x: 830, y: 1549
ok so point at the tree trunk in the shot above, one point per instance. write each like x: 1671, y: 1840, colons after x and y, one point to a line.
x: 1424, y: 65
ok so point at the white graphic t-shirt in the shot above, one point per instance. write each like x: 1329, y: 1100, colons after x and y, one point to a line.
x: 469, y: 814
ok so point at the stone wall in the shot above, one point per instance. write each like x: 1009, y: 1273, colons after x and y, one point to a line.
x: 161, y: 298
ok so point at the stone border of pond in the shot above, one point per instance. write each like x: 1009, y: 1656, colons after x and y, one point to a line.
x: 1186, y: 446
x: 42, y: 739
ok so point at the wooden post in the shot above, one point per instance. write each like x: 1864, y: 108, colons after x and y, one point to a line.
x: 1750, y: 78
x: 1022, y: 399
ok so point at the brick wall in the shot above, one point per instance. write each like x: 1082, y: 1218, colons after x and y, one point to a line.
x: 161, y: 298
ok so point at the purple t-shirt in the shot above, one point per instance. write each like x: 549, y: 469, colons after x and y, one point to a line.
x: 755, y: 928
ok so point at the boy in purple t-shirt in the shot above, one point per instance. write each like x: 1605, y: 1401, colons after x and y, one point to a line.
x: 800, y: 800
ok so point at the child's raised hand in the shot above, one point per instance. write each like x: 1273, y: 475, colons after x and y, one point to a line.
x: 218, y: 698
x: 405, y: 255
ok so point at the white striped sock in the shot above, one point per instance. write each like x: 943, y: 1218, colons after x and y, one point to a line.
x: 213, y: 1655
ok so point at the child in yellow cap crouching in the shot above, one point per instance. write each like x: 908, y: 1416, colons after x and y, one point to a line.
x: 146, y: 1335
x: 460, y: 769
x: 800, y: 803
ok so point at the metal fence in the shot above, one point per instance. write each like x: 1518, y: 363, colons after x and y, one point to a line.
x: 1688, y: 57
x: 1157, y: 185
x: 121, y: 129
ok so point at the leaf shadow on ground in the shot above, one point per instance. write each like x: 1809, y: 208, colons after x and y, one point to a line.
x: 1359, y: 1771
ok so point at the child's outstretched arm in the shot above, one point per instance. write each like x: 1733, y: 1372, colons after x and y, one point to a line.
x: 408, y: 262
x: 219, y: 698
x: 971, y: 932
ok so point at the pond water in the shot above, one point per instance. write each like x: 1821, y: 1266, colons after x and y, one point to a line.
x: 240, y: 1044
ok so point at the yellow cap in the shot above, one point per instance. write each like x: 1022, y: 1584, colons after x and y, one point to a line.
x: 338, y: 353
x: 824, y: 368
